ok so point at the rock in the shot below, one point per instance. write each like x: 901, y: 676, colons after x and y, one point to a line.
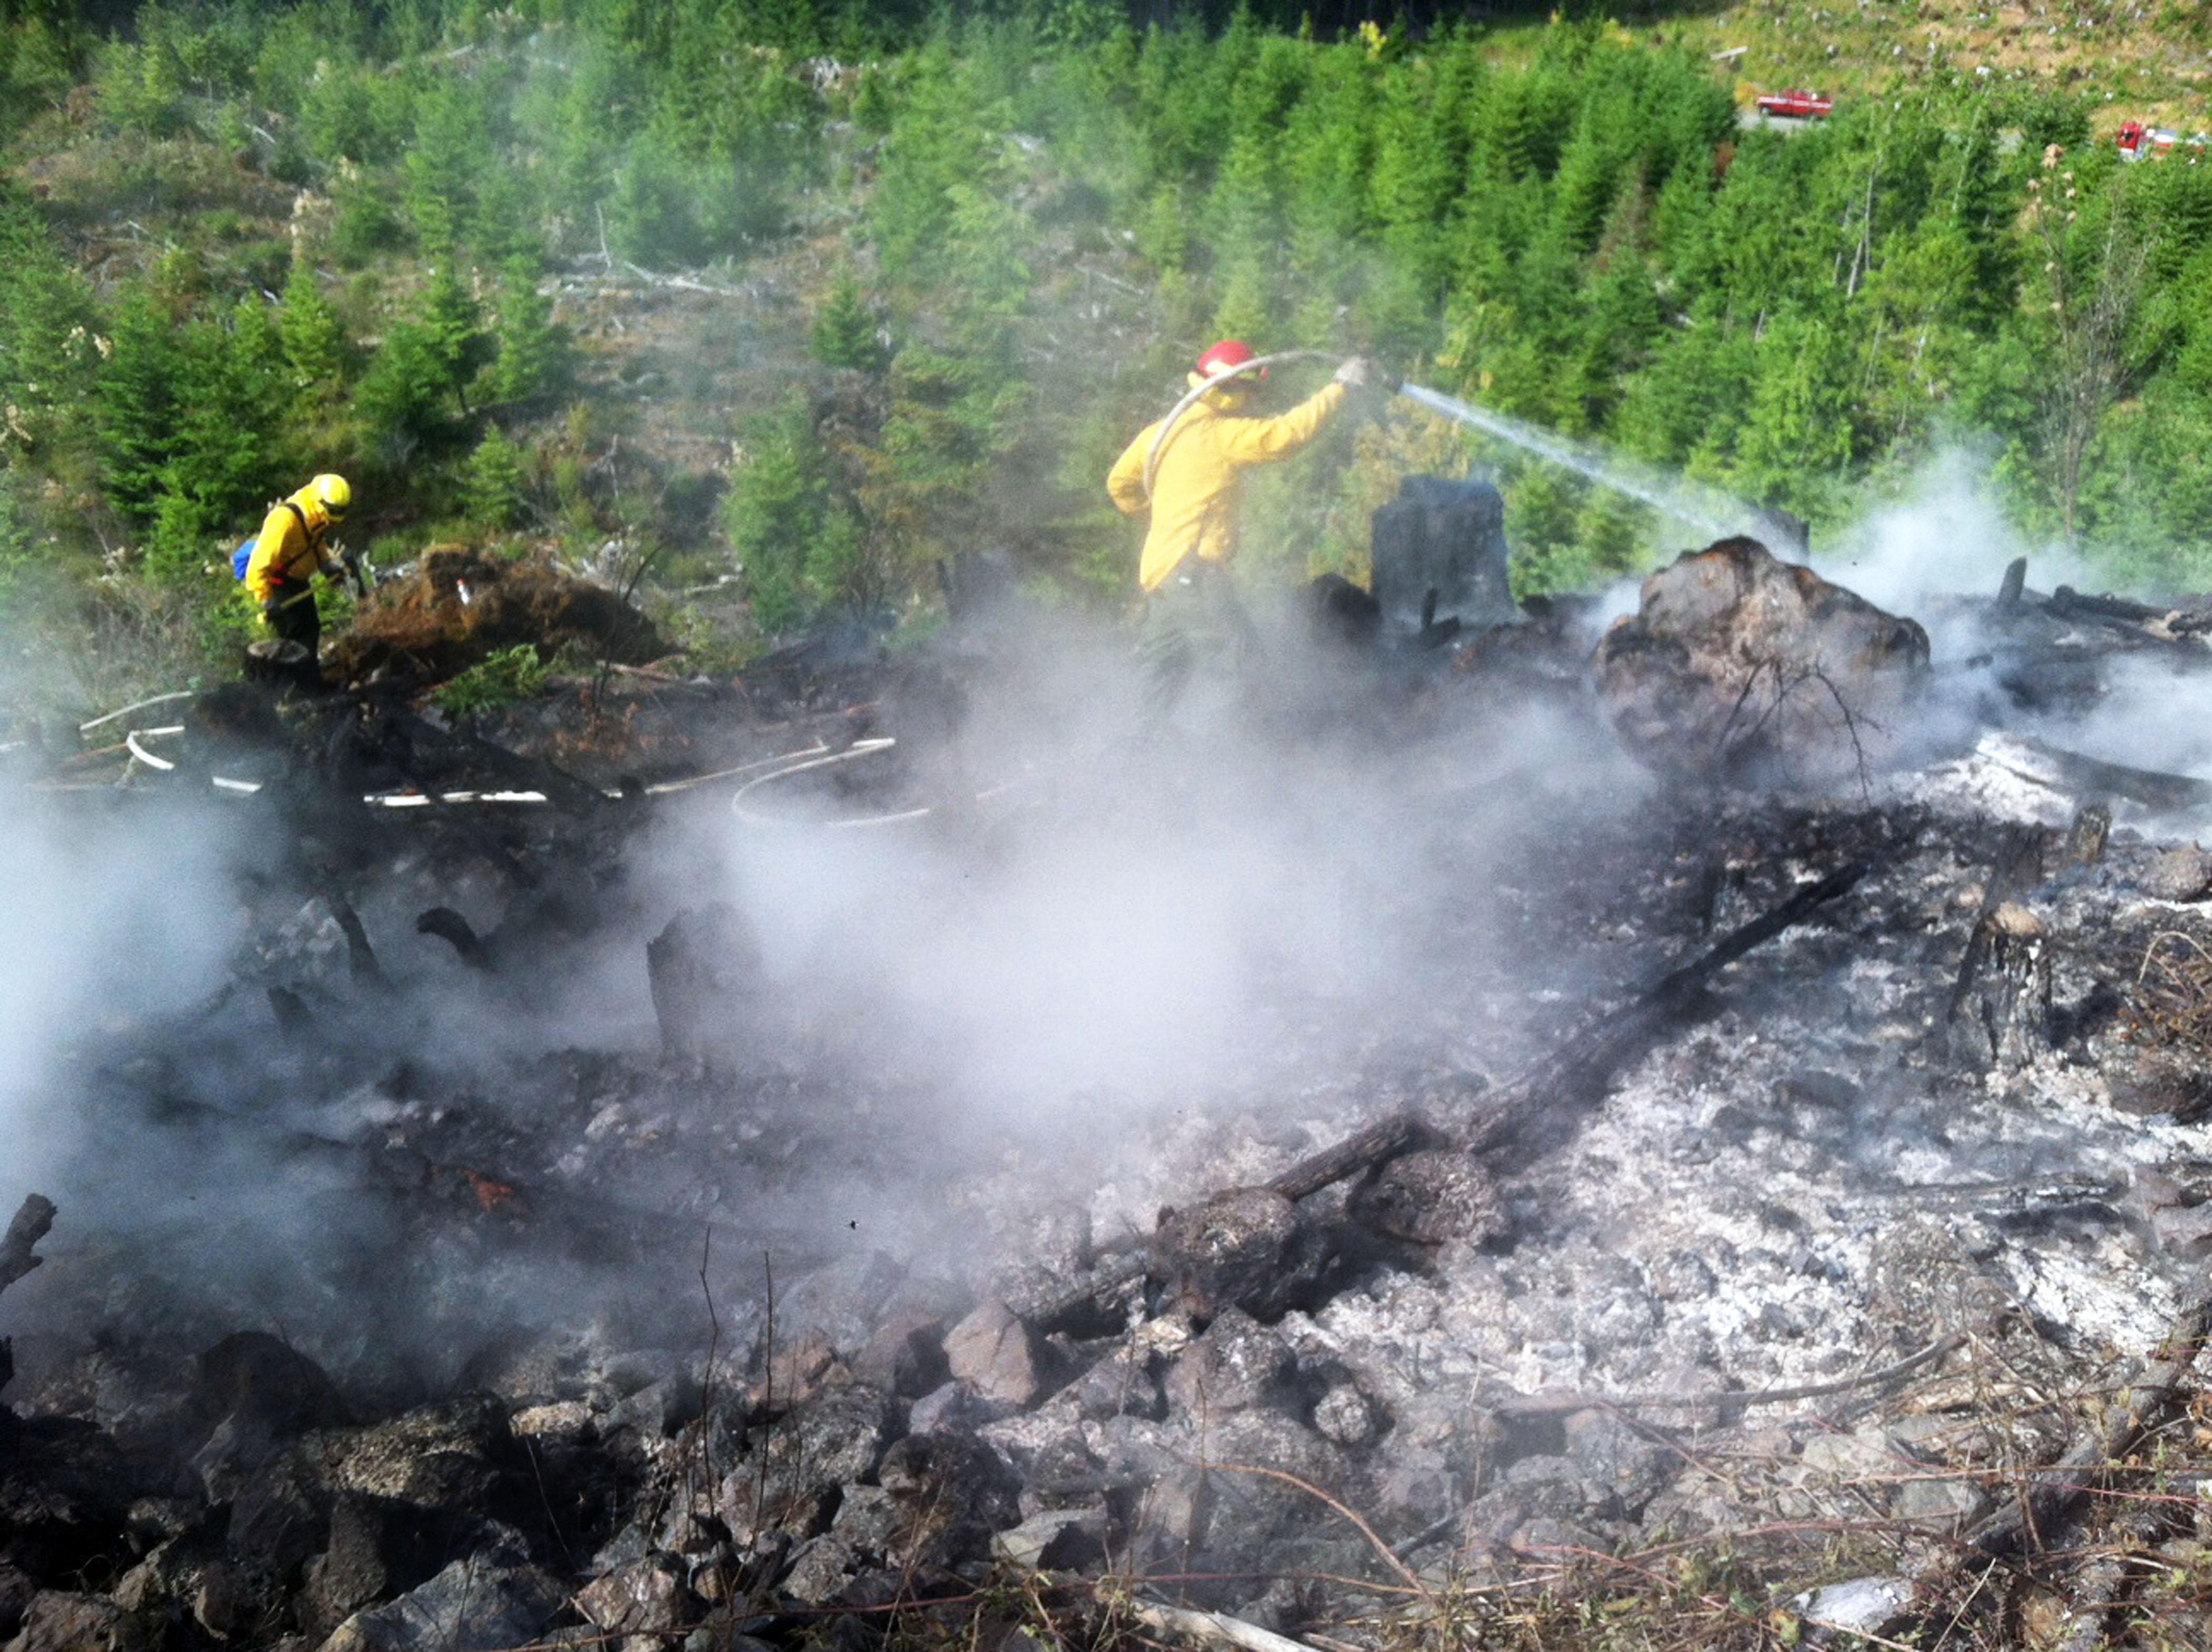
x: 997, y: 1355
x: 1119, y: 1382
x: 1345, y: 1415
x: 485, y: 1603
x: 1055, y: 1539
x: 905, y: 1355
x: 1235, y: 1363
x: 822, y: 1570
x: 951, y: 1493
x: 2181, y: 873
x: 1250, y: 1248
x: 378, y: 1548
x: 222, y: 1600
x: 1739, y: 666
x: 868, y: 1519
x: 649, y: 1596
x: 17, y: 1590
x: 1428, y: 1197
x: 1215, y: 1518
x: 443, y: 1455
x: 1870, y: 1606
x: 564, y: 1419
x: 1946, y: 1503
x: 279, y: 1518
x: 254, y: 1378
x: 56, y: 1621
x: 957, y: 1406
x: 724, y: 1634
x: 65, y: 1492
x: 1623, y: 1462
x: 793, y: 1470
x: 798, y: 1369
x: 2176, y: 1206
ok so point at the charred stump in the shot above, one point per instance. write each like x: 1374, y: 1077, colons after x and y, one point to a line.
x: 702, y: 968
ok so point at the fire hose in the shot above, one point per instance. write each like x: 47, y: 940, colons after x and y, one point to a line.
x: 1214, y: 382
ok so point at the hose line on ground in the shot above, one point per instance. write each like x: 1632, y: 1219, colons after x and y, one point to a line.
x: 1214, y: 382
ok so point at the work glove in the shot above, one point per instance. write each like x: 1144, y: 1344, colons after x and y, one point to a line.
x: 271, y: 609
x: 1355, y: 371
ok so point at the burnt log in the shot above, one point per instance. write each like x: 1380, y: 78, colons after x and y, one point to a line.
x: 1248, y: 1248
x: 1430, y: 1197
x: 450, y: 926
x: 1524, y: 1116
x: 1357, y: 1154
x: 2092, y: 777
x: 2087, y: 835
x: 2006, y: 1001
x: 361, y: 957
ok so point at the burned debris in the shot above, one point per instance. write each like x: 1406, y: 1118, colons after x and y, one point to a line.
x: 1802, y: 1198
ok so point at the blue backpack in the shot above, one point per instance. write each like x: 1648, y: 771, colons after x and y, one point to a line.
x: 244, y: 554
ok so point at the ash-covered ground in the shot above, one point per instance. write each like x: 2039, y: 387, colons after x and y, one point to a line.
x: 930, y: 1211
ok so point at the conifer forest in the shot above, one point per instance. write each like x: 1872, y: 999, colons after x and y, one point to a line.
x: 789, y: 303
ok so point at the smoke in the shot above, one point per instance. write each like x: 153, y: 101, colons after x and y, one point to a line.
x: 1946, y: 535
x: 1940, y: 554
x: 1133, y: 926
x: 115, y: 914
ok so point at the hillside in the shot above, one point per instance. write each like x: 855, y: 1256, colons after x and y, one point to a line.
x: 784, y: 321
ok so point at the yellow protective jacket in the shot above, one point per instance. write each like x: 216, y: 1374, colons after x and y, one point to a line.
x: 289, y: 549
x: 1194, y: 502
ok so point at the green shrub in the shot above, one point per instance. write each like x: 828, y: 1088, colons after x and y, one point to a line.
x: 511, y: 675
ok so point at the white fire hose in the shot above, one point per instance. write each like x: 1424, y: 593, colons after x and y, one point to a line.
x: 1215, y: 382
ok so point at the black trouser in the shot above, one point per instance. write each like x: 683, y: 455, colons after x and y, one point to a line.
x: 292, y: 615
x: 1194, y: 626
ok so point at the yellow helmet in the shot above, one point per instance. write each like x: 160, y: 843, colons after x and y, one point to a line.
x: 333, y: 495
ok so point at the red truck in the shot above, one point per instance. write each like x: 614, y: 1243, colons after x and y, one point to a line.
x: 2139, y: 142
x: 1797, y: 103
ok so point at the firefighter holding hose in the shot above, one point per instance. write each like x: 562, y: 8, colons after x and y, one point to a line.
x: 291, y: 549
x: 1185, y: 470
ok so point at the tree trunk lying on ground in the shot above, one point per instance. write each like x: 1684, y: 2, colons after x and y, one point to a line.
x: 1517, y: 1121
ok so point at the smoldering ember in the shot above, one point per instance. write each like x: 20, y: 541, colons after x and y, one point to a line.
x: 1539, y: 1124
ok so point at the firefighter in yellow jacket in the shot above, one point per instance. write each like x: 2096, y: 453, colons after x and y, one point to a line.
x: 1192, y: 617
x: 289, y: 552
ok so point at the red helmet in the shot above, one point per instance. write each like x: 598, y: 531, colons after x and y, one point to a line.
x: 1228, y: 354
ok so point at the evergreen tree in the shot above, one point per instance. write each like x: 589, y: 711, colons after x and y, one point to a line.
x: 532, y: 354
x: 230, y: 396
x: 454, y: 322
x: 494, y: 483
x: 137, y: 405
x: 315, y: 344
x: 845, y: 333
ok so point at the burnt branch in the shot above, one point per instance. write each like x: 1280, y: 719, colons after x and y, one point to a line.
x: 1524, y: 1114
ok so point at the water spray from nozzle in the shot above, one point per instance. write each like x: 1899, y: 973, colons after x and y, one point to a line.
x: 1707, y: 509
